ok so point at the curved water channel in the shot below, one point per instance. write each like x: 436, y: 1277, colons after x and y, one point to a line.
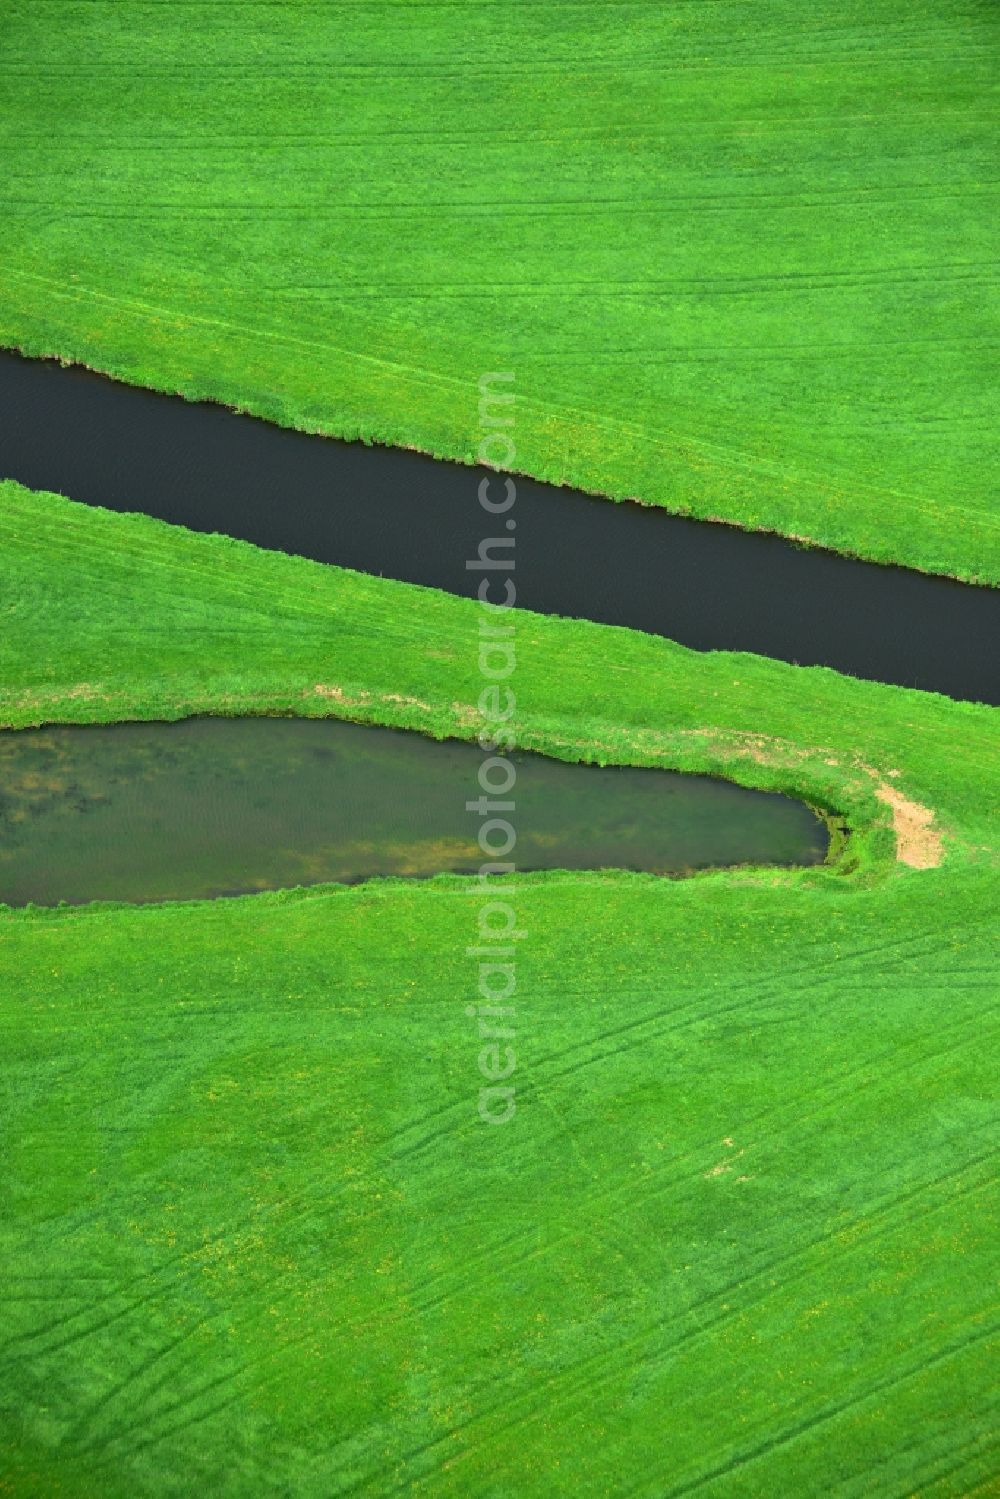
x: 399, y: 513
x: 214, y: 806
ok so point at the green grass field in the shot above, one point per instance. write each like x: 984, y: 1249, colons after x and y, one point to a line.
x: 737, y: 1239
x: 740, y: 257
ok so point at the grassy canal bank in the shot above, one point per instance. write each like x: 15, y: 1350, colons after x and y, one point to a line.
x: 221, y: 626
x: 735, y: 1237
x: 740, y: 265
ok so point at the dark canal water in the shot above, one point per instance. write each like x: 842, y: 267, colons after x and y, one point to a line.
x: 213, y: 806
x: 389, y: 511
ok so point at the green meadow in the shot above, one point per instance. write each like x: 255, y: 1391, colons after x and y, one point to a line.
x: 738, y: 256
x: 738, y: 1239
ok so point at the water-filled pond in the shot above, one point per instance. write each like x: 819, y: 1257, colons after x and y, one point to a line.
x: 214, y: 806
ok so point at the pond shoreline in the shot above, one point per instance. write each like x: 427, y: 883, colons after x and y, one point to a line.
x: 211, y: 807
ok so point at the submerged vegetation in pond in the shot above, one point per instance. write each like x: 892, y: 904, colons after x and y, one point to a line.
x: 216, y: 806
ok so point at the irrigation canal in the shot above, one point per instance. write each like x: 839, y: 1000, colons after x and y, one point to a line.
x: 404, y: 515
